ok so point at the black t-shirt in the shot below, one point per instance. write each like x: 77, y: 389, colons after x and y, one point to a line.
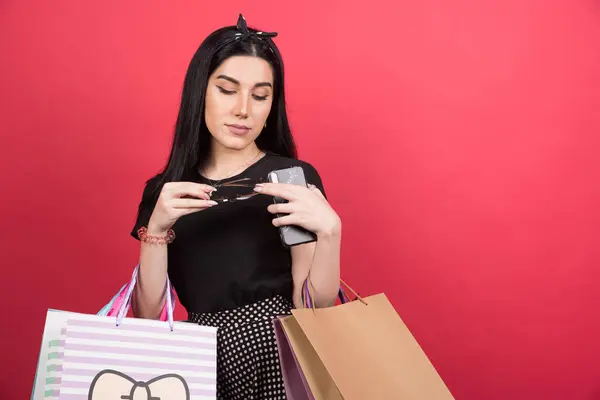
x: 229, y: 255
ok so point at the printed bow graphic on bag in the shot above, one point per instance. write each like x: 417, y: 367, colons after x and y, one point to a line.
x: 115, y: 385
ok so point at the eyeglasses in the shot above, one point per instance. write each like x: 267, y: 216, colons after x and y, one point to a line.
x: 245, y: 183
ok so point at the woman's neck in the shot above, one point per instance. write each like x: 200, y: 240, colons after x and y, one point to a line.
x: 224, y: 162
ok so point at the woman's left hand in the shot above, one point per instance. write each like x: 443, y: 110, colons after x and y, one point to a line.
x: 306, y: 207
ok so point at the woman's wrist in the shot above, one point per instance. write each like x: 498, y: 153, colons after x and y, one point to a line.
x: 154, y: 235
x: 333, y: 230
x: 155, y: 230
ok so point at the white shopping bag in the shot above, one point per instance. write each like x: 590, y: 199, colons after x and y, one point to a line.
x: 101, y: 357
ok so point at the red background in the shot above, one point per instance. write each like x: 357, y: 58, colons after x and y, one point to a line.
x: 457, y: 139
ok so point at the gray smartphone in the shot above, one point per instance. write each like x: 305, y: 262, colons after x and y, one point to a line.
x: 291, y: 235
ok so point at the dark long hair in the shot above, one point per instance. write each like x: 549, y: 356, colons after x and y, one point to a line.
x: 191, y: 141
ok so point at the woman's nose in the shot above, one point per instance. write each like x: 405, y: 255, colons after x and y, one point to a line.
x: 241, y: 107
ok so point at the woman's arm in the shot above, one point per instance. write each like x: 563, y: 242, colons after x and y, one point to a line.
x: 149, y: 295
x: 320, y: 263
x: 176, y: 199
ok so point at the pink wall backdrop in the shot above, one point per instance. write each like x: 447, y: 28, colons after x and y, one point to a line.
x: 457, y: 139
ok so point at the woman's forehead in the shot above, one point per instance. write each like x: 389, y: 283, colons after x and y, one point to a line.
x: 246, y: 70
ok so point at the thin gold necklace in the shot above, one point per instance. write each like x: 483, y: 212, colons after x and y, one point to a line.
x: 234, y: 172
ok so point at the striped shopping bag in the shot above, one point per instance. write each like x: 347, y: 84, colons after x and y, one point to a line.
x: 105, y: 361
x: 109, y: 356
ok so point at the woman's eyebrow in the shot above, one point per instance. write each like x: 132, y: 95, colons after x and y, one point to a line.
x: 235, y: 81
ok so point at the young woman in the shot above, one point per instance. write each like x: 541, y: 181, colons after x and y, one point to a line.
x: 209, y: 222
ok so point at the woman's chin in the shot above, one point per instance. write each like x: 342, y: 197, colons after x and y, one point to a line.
x: 235, y: 142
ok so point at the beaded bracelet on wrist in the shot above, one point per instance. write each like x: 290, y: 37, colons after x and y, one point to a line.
x: 153, y: 239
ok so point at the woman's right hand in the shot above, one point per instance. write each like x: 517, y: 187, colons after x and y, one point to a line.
x: 177, y: 199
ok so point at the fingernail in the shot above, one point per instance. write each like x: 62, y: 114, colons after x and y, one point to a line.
x: 212, y: 203
x: 258, y: 188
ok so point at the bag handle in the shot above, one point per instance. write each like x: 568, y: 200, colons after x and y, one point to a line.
x: 121, y: 302
x: 308, y: 295
x: 108, y: 309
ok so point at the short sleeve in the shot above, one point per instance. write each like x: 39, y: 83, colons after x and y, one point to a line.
x: 146, y: 206
x: 313, y: 178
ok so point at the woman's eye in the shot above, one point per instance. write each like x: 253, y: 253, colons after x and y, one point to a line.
x: 225, y: 91
x: 260, y: 98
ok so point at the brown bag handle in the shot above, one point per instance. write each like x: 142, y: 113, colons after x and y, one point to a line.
x: 352, y: 291
x: 308, y: 294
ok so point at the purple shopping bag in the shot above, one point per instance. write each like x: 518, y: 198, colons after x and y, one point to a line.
x: 295, y: 382
x: 295, y: 350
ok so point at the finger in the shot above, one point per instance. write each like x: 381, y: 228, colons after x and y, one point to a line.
x: 315, y: 189
x: 191, y: 203
x: 281, y: 208
x: 285, y: 191
x: 181, y: 189
x: 285, y: 220
x: 190, y: 186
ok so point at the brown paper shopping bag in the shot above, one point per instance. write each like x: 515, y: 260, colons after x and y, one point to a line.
x: 361, y: 350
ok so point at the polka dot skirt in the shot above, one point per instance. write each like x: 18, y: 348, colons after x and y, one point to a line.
x: 247, y: 358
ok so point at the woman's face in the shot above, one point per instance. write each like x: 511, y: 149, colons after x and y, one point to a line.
x: 238, y: 101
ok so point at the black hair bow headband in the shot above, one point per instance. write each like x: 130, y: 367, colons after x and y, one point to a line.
x: 244, y: 33
x: 243, y: 30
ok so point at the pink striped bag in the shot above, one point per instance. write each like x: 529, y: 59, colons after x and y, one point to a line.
x: 49, y: 369
x: 110, y: 356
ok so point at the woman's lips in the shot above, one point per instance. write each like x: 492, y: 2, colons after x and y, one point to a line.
x: 239, y: 130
